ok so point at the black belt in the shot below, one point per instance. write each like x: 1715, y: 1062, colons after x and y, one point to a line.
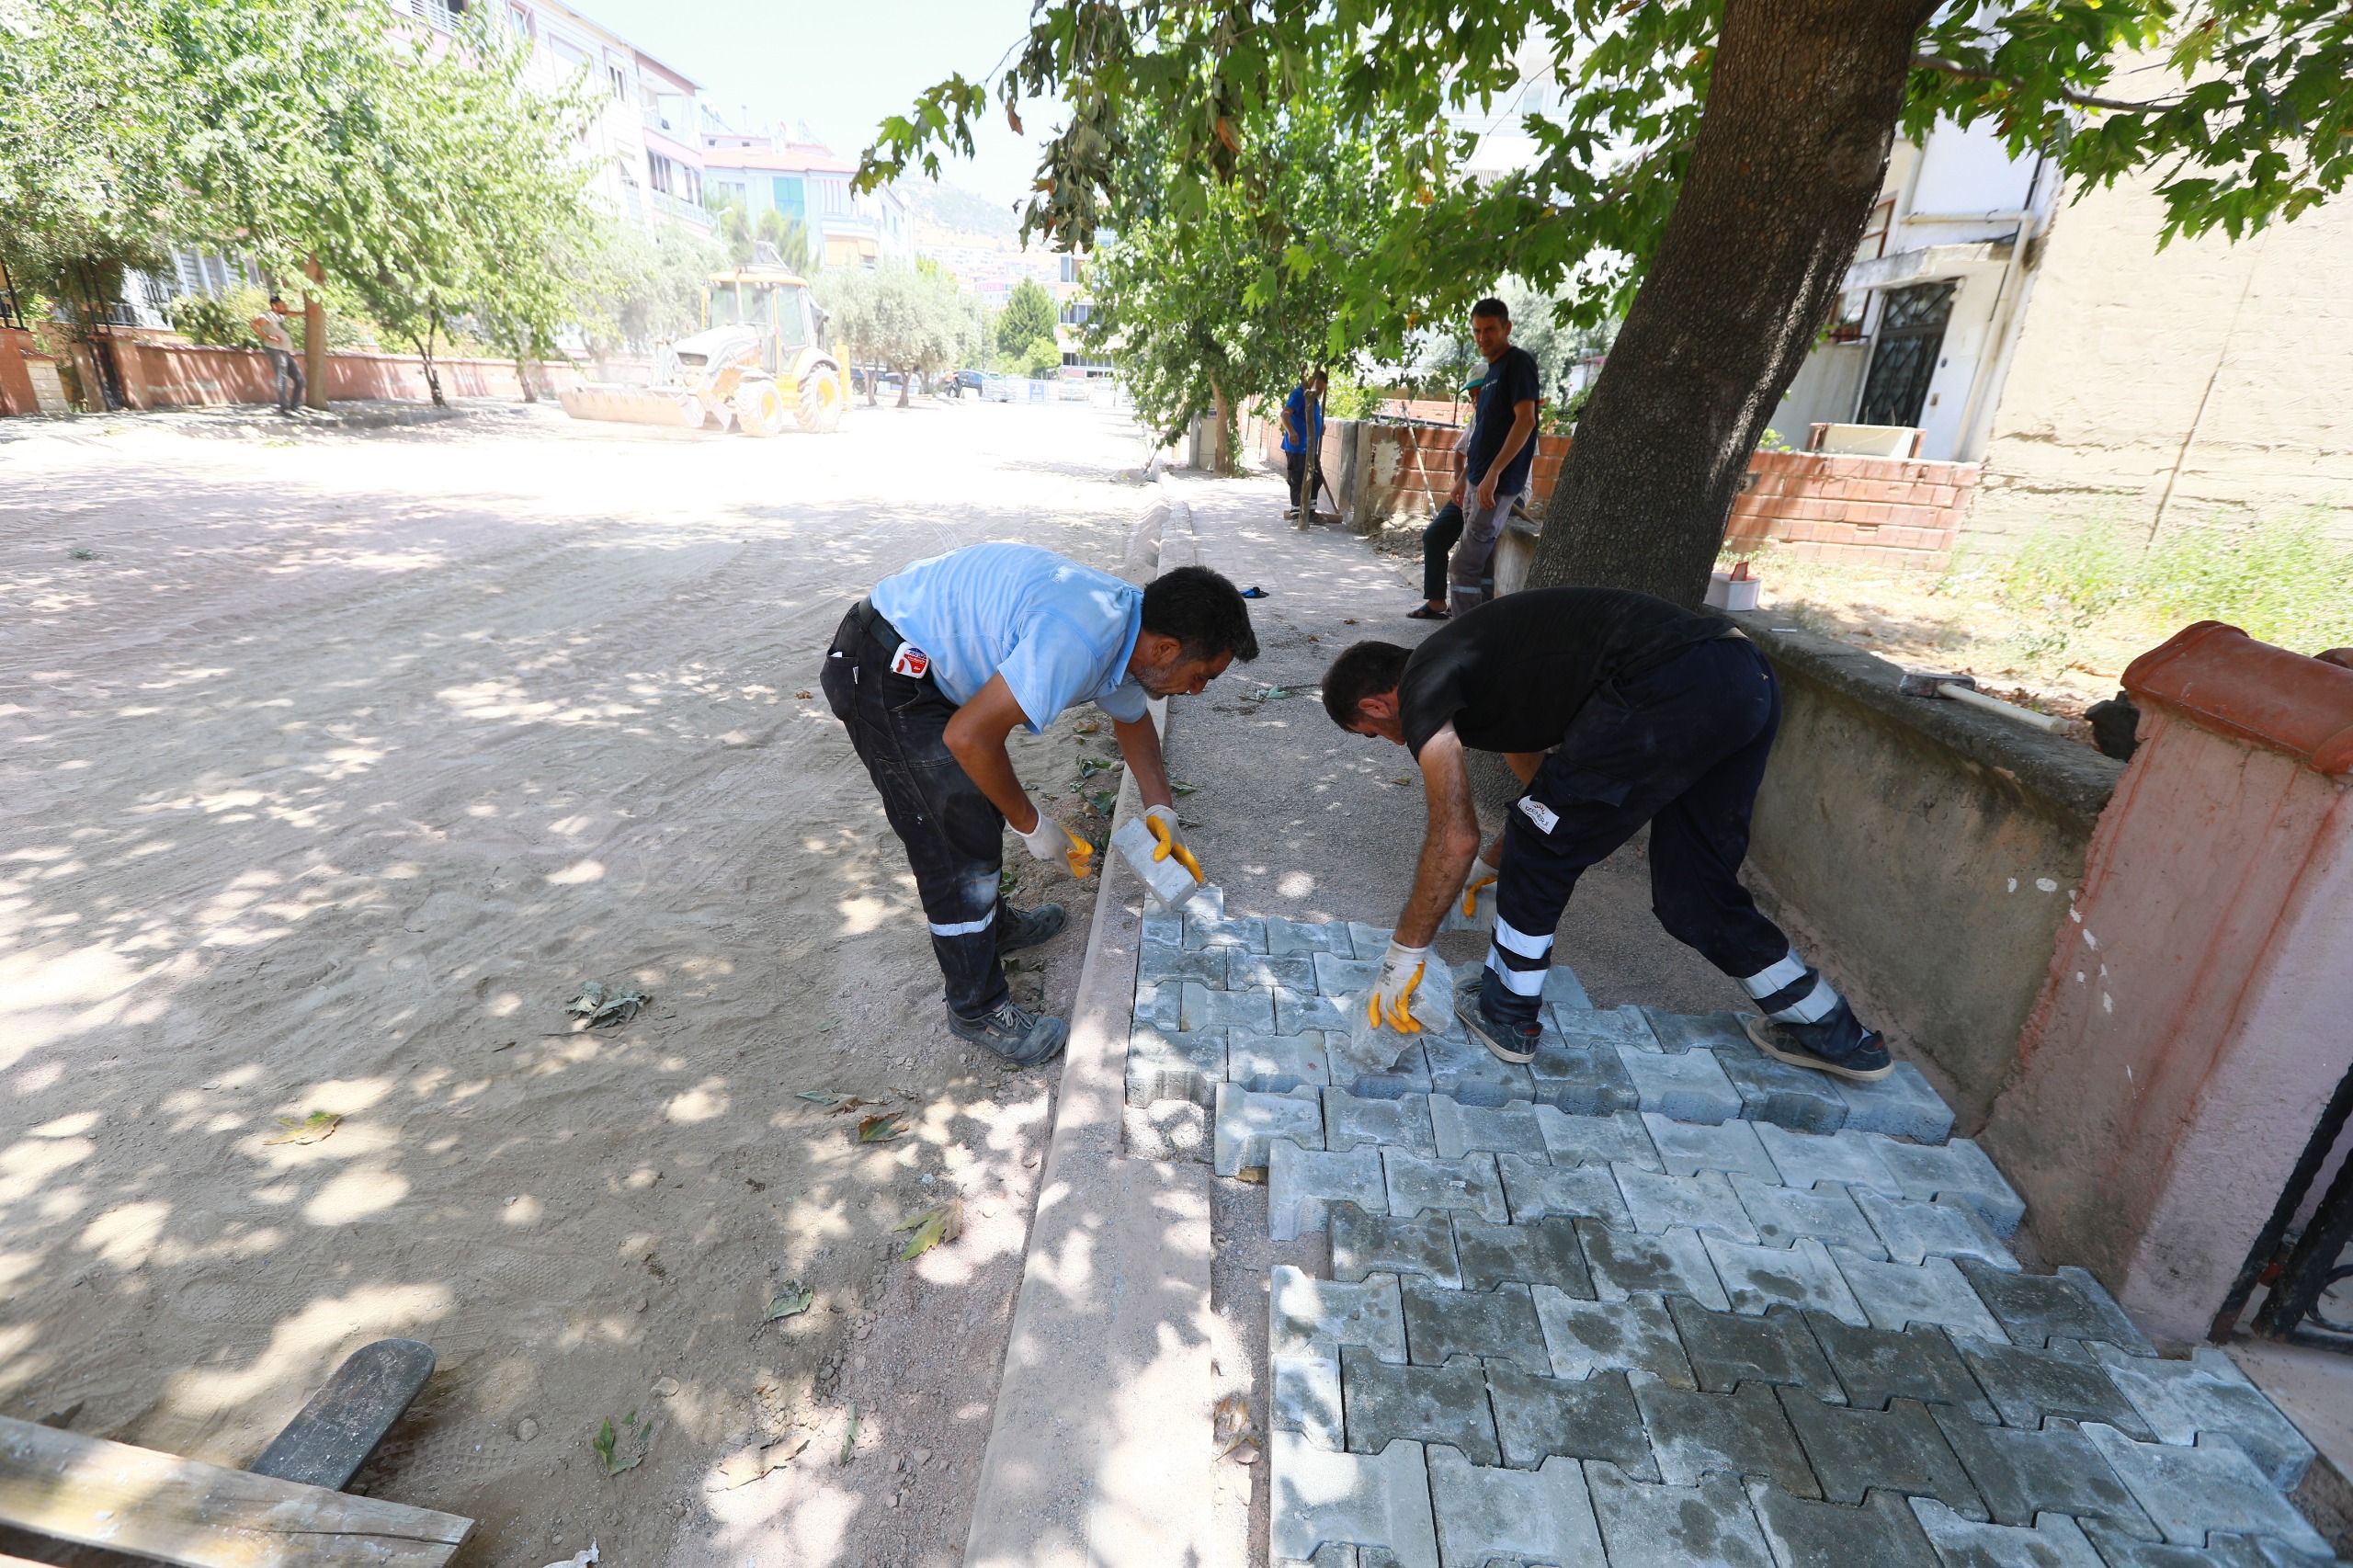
x: 878, y: 626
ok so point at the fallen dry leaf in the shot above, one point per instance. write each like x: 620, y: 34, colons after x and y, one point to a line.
x: 1255, y: 1174
x: 880, y: 1129
x: 312, y: 1129
x: 792, y: 1298
x: 941, y: 1225
x: 746, y: 1465
x: 803, y: 696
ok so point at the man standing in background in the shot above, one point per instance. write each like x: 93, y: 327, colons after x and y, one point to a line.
x: 271, y: 327
x: 1303, y: 440
x: 1502, y: 450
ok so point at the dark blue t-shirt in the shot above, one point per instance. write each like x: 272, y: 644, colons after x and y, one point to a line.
x: 1511, y: 381
x: 1297, y: 409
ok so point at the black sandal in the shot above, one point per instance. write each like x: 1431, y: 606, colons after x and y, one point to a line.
x: 1424, y: 612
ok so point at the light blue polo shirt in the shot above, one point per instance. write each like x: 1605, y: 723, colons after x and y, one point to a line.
x: 1060, y: 633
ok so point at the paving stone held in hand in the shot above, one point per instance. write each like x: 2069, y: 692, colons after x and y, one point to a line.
x: 1803, y: 1534
x: 1585, y: 1339
x: 1899, y: 1448
x: 1307, y: 1316
x: 1267, y: 972
x: 1307, y: 1397
x: 1302, y: 1184
x: 2213, y: 1486
x: 1958, y: 1172
x: 1582, y: 1081
x: 1689, y: 1087
x: 1728, y: 1349
x: 1875, y: 1366
x: 1800, y: 1275
x: 1782, y: 1214
x: 1250, y: 935
x: 1170, y: 1065
x: 2035, y: 1309
x: 1275, y: 1063
x: 1402, y: 1122
x: 1626, y: 1263
x: 1896, y: 1295
x: 1160, y: 963
x: 1582, y: 1028
x: 1247, y: 1124
x: 1679, y: 1032
x: 1901, y: 1104
x: 2027, y: 1385
x: 1540, y: 1251
x: 1911, y: 1231
x: 1795, y: 1098
x: 1707, y: 1525
x: 1370, y: 1242
x: 1203, y: 1008
x: 1537, y: 1417
x: 1740, y: 1433
x: 1506, y: 1129
x: 1597, y: 1140
x: 2056, y: 1470
x: 1441, y: 1324
x: 2207, y: 1394
x: 1354, y: 1499
x: 1703, y: 1203
x: 1688, y: 1148
x: 2053, y: 1541
x: 1463, y: 1068
x: 1429, y: 1405
x: 1487, y: 1518
x: 1850, y: 1159
x: 1468, y: 1185
x: 1536, y: 1189
x: 1300, y: 936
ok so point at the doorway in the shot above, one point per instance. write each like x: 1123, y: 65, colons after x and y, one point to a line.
x: 1904, y: 355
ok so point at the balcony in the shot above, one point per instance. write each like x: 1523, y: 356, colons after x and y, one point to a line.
x: 678, y: 206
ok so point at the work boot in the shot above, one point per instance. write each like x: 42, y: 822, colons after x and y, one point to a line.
x: 1837, y: 1044
x: 1026, y: 928
x: 1505, y: 1042
x: 1024, y: 1040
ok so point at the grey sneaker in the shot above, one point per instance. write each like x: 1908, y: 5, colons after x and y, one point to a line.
x: 1022, y: 1038
x: 1505, y: 1042
x: 1837, y: 1044
x: 1026, y: 928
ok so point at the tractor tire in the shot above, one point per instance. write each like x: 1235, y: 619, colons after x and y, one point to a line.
x: 759, y: 408
x: 820, y: 400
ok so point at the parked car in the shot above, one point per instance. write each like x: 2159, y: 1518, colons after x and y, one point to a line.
x: 995, y: 388
x: 966, y: 384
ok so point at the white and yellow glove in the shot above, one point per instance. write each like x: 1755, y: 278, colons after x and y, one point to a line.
x: 1482, y: 875
x: 1160, y: 822
x: 1050, y: 839
x: 1393, y: 995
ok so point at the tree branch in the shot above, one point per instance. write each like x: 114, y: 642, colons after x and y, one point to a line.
x: 1973, y: 74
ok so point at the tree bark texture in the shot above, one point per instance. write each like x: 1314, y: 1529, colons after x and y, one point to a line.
x: 1787, y: 162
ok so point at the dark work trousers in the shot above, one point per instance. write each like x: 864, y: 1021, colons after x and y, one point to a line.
x: 1681, y: 747
x: 288, y: 371
x: 955, y: 836
x: 1295, y: 464
x: 1437, y: 543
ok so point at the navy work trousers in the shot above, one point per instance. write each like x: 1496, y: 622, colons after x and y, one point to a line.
x: 1682, y: 747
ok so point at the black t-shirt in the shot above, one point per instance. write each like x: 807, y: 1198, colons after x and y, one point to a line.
x: 1512, y: 673
x: 1511, y: 381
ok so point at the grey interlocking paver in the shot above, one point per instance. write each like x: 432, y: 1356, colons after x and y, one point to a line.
x: 1309, y: 1316
x: 1163, y: 961
x: 1707, y: 1525
x: 2063, y: 1381
x: 1728, y: 1349
x: 1800, y: 1275
x: 1463, y: 1068
x: 1703, y: 1203
x: 1542, y: 1252
x: 1169, y: 1064
x: 1626, y: 1263
x: 1402, y: 1122
x: 1901, y: 1104
x: 1158, y: 1004
x: 1468, y: 1185
x: 1296, y: 1012
x: 1882, y: 1533
x: 1293, y: 970
x: 2187, y: 1491
x: 1740, y: 1433
x: 1875, y: 1366
x: 2207, y: 1394
x: 1164, y: 926
x: 1273, y: 1063
x: 1441, y: 1324
x: 1851, y: 1159
x: 1689, y: 1087
x: 1490, y: 1518
x: 1383, y: 1064
x: 1789, y: 1097
x: 1306, y: 1397
x: 1679, y: 1032
x: 2034, y: 1308
x: 1634, y: 1333
x: 1506, y: 1129
x: 1370, y: 941
x: 1429, y: 1405
x: 1372, y: 1242
x: 1302, y: 1184
x: 1912, y: 1230
x: 1245, y: 1122
x: 1318, y: 937
x: 1361, y: 1500
x: 1958, y: 1172
x: 1203, y: 1008
x: 1582, y: 1029
x: 1899, y: 1448
x: 2053, y: 1541
x: 1782, y: 1214
x: 1338, y: 975
x: 1582, y: 1080
x: 1897, y: 1295
x: 1536, y: 1189
x: 1249, y: 935
x: 2120, y: 1550
x: 1597, y: 1140
x: 1687, y: 1148
x: 1537, y: 1417
x: 2057, y: 1469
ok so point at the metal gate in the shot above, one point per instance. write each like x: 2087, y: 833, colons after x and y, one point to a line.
x: 1904, y: 355
x: 2299, y: 1275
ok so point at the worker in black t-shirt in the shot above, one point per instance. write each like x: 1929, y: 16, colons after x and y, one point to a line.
x: 1496, y: 462
x: 1615, y: 709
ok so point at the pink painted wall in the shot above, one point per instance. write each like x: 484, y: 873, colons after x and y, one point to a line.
x: 2194, y: 1020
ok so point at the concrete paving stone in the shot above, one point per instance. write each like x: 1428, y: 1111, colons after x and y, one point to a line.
x: 1158, y: 963
x: 2053, y: 1541
x: 1538, y: 1417
x: 1379, y: 1066
x: 1370, y: 941
x: 1590, y: 1080
x: 1800, y: 1275
x: 1707, y: 1525
x: 1429, y: 1405
x: 2121, y: 1551
x: 1882, y: 1533
x: 1203, y: 1008
x: 1441, y: 1324
x: 1875, y: 1366
x: 1487, y: 1518
x: 2057, y: 1469
x: 1536, y: 1189
x: 1543, y: 1252
x: 1587, y: 1028
x: 1360, y: 1500
x: 2035, y: 1309
x: 1461, y: 1067
x: 1585, y: 1339
x: 1274, y: 1063
x: 1688, y: 1148
x: 1597, y: 1140
x: 1402, y: 1122
x: 1468, y: 1185
x: 1171, y: 1064
x: 1296, y: 1012
x: 1728, y: 1349
x: 1306, y: 1397
x: 1564, y: 990
x: 1788, y: 1096
x: 1899, y: 1448
x: 2206, y: 1395
x: 1625, y: 1262
x: 1902, y: 1105
x: 1337, y: 974
x: 1164, y: 926
x: 1500, y: 1129
x: 1827, y: 1212
x: 1807, y: 1159
x: 1897, y: 1295
x: 1740, y: 1433
x: 1302, y: 1184
x: 1249, y: 935
x: 1958, y: 1172
x: 1284, y: 937
x: 1370, y: 1242
x: 1703, y: 1202
x: 1679, y: 1032
x: 1245, y: 1122
x: 1292, y: 971
x: 2063, y: 1381
x: 1911, y: 1231
x: 1689, y: 1087
x: 1158, y: 1004
x: 2188, y: 1492
x: 1166, y: 1130
x: 1310, y: 1316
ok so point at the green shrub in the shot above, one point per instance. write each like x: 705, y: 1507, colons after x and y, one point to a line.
x: 222, y: 321
x: 1349, y: 398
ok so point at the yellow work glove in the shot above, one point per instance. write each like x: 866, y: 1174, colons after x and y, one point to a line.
x: 1051, y: 838
x: 1393, y: 995
x: 1482, y: 875
x: 1161, y: 821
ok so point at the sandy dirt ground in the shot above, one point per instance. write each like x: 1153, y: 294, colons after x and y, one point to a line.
x: 334, y: 765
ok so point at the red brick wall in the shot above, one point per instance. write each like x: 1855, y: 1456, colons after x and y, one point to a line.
x: 186, y: 375
x: 1887, y: 512
x: 16, y: 382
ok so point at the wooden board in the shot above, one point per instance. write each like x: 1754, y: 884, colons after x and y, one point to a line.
x: 344, y: 1421
x: 101, y: 1494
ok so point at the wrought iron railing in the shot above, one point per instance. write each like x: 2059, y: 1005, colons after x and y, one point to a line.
x: 2300, y: 1275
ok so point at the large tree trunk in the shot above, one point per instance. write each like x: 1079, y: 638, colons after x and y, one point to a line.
x: 1787, y: 162
x: 1221, y: 431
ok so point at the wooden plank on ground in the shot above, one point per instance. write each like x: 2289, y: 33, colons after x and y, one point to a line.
x: 86, y: 1489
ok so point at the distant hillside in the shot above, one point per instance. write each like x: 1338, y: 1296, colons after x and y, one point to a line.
x: 953, y: 208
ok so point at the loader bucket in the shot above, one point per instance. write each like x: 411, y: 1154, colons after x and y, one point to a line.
x: 625, y: 404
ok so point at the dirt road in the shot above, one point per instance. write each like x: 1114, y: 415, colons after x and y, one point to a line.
x: 333, y: 765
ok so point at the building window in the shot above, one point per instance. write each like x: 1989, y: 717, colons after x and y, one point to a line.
x: 1874, y: 244
x: 658, y: 173
x: 520, y: 19
x: 1904, y: 359
x: 1068, y: 269
x: 791, y: 195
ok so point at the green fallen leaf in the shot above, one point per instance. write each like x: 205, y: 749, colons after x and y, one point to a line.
x: 600, y: 1005
x: 1269, y: 694
x: 793, y: 1299
x: 79, y: 553
x: 938, y: 1225
x: 1006, y: 880
x: 880, y: 1129
x: 311, y: 1128
x: 816, y: 1096
x: 1089, y: 767
x: 1178, y: 787
x: 1103, y: 801
x: 610, y: 1444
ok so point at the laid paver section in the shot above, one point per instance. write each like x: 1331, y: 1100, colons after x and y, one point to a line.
x: 1538, y: 1417
x: 1874, y: 1367
x: 1487, y: 1518
x: 1269, y: 971
x: 1617, y: 1139
x: 1727, y: 1349
x: 1582, y: 1081
x: 1307, y: 1316
x: 1789, y: 1097
x: 1689, y: 1087
x: 1882, y: 1533
x: 2055, y: 1471
x: 1374, y: 1241
x: 2188, y: 1492
x: 2054, y: 1541
x: 1543, y: 1252
x: 1897, y: 1295
x: 1703, y: 1202
x: 1535, y: 1189
x: 2035, y: 1309
x: 1431, y: 1404
x: 1506, y: 1129
x: 1273, y: 1063
x: 1586, y: 1027
x: 1646, y: 1526
x: 1686, y: 1149
x: 1899, y: 1448
x: 1801, y: 1275
x: 1247, y: 1123
x: 1958, y: 1172
x: 1361, y: 1500
x: 1306, y: 1397
x: 2027, y: 1386
x: 1400, y: 1121
x: 1470, y: 1185
x: 1827, y: 1212
x: 2181, y: 1400
x: 1625, y: 1262
x: 1302, y: 1185
x: 1740, y: 1433
x: 1850, y: 1159
x: 1462, y: 1068
x: 1441, y: 1324
x: 1901, y: 1104
x: 1633, y: 1334
x: 1169, y: 1064
x: 1910, y: 1230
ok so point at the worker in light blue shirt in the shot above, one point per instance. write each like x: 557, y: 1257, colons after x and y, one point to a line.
x: 934, y: 669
